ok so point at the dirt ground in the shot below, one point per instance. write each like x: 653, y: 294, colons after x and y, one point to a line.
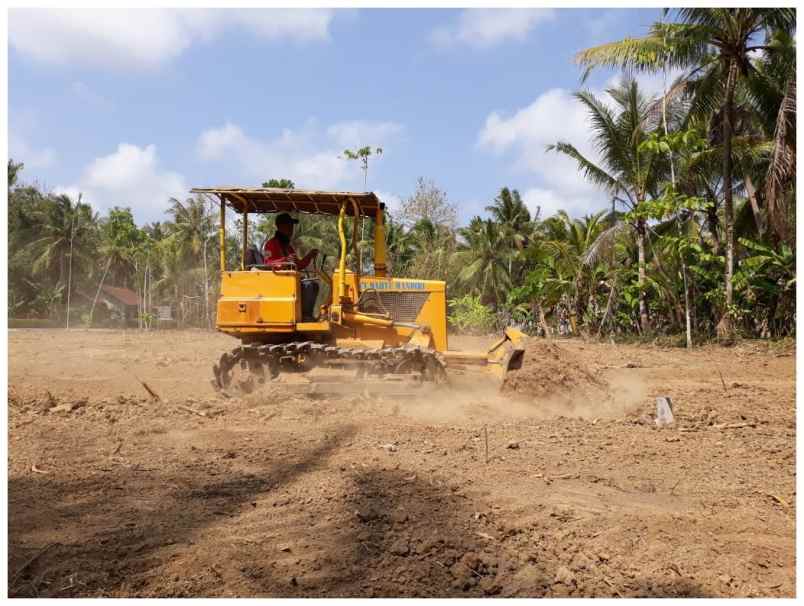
x: 113, y: 493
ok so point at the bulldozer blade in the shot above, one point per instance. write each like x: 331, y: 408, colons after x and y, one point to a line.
x: 506, y: 354
x: 509, y: 351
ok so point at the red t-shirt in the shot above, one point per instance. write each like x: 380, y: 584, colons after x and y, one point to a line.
x: 274, y: 253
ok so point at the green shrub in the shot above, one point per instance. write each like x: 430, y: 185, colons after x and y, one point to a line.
x: 468, y: 314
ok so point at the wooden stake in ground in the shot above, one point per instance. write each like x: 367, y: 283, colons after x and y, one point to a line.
x: 486, y: 434
x: 151, y: 392
x: 154, y: 395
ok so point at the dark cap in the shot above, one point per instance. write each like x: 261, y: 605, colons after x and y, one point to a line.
x: 285, y: 219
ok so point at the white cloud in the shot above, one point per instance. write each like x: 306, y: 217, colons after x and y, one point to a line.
x: 556, y: 115
x: 148, y: 38
x: 131, y: 176
x: 485, y: 27
x: 309, y: 156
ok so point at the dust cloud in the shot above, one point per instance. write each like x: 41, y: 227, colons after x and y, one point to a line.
x: 479, y: 398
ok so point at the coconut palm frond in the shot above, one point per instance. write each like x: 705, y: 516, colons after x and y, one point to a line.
x: 638, y: 54
x: 603, y: 244
x: 590, y: 170
x: 782, y: 169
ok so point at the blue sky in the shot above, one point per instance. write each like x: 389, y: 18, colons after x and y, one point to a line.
x: 468, y: 98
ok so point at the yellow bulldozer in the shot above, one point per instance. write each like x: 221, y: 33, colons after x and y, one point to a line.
x: 387, y: 329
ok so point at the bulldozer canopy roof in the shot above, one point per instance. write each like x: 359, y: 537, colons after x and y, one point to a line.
x: 273, y: 200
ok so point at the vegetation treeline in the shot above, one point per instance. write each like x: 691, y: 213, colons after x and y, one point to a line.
x: 700, y: 238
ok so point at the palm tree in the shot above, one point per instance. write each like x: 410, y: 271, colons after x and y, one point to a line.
x: 192, y: 225
x: 193, y: 231
x: 14, y: 169
x: 581, y: 236
x: 171, y: 259
x: 715, y: 45
x: 62, y: 222
x: 513, y: 217
x: 782, y: 169
x: 771, y: 95
x: 483, y: 267
x: 399, y: 244
x: 627, y: 171
x: 120, y: 239
x: 512, y: 214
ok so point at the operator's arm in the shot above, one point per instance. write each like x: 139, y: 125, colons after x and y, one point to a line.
x: 308, y: 258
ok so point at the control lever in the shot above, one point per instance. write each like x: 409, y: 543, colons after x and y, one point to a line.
x: 322, y: 271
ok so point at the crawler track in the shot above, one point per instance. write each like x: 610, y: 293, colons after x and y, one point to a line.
x: 245, y: 367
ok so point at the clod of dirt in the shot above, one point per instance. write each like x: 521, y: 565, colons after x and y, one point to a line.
x: 68, y: 407
x: 548, y: 370
x: 581, y: 562
x: 399, y: 517
x: 401, y: 547
x: 367, y: 515
x: 564, y: 576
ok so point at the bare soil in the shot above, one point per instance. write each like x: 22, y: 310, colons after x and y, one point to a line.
x: 113, y: 492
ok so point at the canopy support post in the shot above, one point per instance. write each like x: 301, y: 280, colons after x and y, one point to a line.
x: 356, y: 246
x: 379, y: 243
x: 222, y: 235
x: 342, y: 260
x: 245, y: 241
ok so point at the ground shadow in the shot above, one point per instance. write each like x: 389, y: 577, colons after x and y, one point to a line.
x: 399, y: 534
x: 171, y: 510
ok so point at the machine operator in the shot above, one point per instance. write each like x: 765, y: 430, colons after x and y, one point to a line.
x: 278, y: 251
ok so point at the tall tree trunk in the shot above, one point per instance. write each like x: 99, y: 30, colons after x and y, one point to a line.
x: 752, y: 198
x: 688, y: 330
x: 609, y: 305
x: 145, y: 297
x: 643, y: 310
x: 727, y: 195
x: 97, y: 294
x: 70, y: 271
x: 178, y: 305
x: 543, y: 321
x: 62, y: 269
x: 712, y: 221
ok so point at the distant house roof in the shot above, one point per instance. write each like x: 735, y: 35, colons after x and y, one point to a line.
x: 123, y: 295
